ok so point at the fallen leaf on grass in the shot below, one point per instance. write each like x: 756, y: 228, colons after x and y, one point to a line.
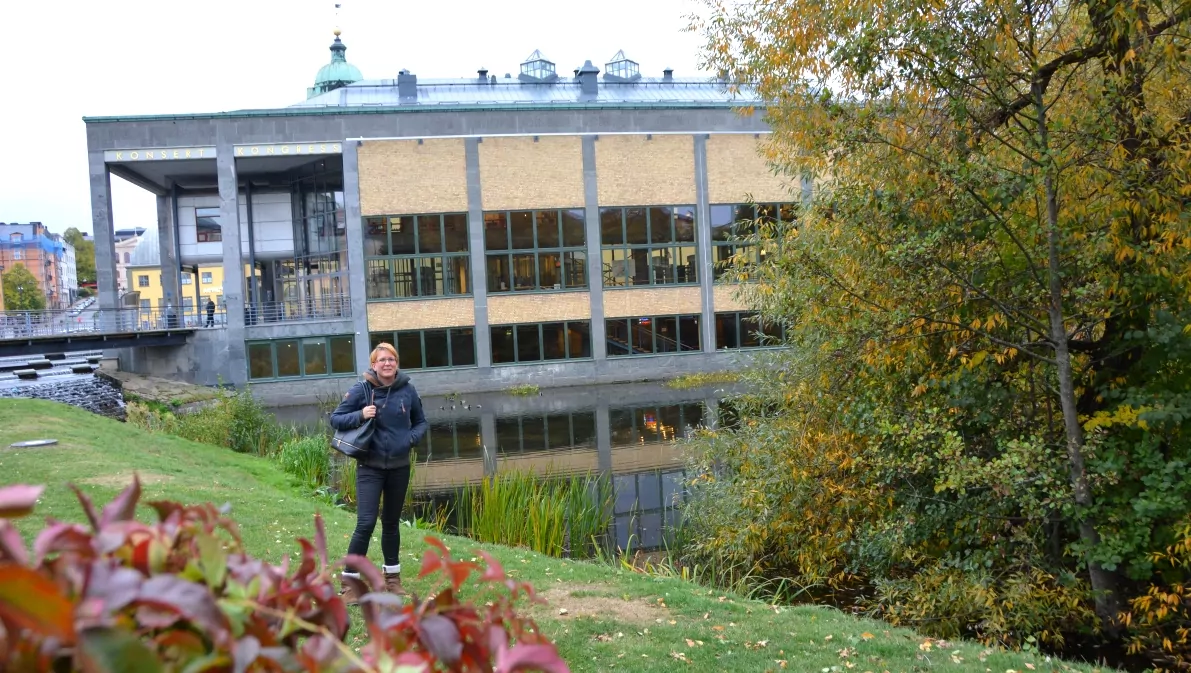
x: 867, y: 636
x: 603, y: 638
x: 562, y: 611
x: 680, y: 656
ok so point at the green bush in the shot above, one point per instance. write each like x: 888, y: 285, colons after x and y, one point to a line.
x: 308, y: 459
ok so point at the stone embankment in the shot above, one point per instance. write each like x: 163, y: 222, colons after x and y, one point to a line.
x: 176, y: 395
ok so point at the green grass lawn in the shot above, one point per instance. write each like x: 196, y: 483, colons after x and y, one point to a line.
x: 602, y: 618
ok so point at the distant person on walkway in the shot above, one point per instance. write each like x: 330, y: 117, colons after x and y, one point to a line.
x: 383, y: 473
x: 210, y: 312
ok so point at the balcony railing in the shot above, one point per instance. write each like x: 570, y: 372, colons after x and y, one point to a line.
x: 65, y: 322
x: 322, y: 307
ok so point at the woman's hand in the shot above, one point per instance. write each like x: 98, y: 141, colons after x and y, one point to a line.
x: 369, y: 411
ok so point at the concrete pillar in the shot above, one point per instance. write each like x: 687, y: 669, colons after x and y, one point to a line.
x: 171, y: 272
x: 703, y: 241
x: 356, y: 281
x: 103, y: 231
x: 595, y: 260
x: 479, y: 266
x: 233, y: 263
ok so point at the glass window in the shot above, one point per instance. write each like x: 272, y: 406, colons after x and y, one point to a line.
x: 409, y: 349
x: 689, y: 335
x: 207, y: 225
x: 455, y: 235
x: 343, y: 355
x: 745, y: 330
x: 547, y: 227
x: 552, y: 267
x: 554, y: 344
x: 734, y: 231
x: 463, y: 347
x: 260, y: 360
x: 503, y: 344
x: 437, y: 348
x: 529, y: 347
x: 142, y: 281
x: 496, y: 231
x: 653, y: 334
x: 314, y: 357
x: 657, y: 246
x: 574, y: 228
x: 417, y: 256
x: 288, y: 358
x: 207, y: 278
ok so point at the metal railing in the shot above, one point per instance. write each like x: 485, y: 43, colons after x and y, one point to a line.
x: 65, y: 322
x: 322, y: 307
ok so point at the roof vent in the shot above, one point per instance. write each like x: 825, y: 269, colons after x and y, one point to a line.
x: 537, y: 68
x: 483, y: 73
x: 589, y: 83
x: 407, y: 86
x: 622, y: 69
x: 668, y: 75
x: 493, y: 80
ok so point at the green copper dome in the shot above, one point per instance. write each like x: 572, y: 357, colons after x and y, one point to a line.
x: 337, y: 73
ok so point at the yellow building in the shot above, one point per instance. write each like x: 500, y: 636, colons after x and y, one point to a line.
x: 146, y: 290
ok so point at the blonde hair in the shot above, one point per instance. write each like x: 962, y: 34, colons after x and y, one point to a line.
x: 383, y: 347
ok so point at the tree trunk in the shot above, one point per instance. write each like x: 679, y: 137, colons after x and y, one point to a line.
x: 1104, y: 582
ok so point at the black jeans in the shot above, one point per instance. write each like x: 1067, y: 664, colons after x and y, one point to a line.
x: 373, y: 486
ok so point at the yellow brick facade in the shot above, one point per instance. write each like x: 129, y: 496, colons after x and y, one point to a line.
x: 519, y: 174
x: 401, y: 177
x: 507, y: 309
x: 725, y: 299
x: 421, y: 314
x: 651, y: 301
x: 635, y: 171
x: 736, y: 169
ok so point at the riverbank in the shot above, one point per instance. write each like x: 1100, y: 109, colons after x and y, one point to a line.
x: 602, y: 618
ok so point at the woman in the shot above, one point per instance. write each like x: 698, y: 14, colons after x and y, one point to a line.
x: 383, y: 473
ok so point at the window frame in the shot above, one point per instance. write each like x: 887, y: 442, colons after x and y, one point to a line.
x: 651, y: 247
x: 753, y: 248
x: 302, y: 342
x: 738, y: 323
x: 538, y: 250
x: 415, y: 259
x: 541, y: 348
x: 392, y: 337
x: 209, y: 235
x: 654, y: 319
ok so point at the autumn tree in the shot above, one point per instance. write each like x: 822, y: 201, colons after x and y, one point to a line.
x: 84, y: 255
x: 989, y: 291
x: 21, y: 291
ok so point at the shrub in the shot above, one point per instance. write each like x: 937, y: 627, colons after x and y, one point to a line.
x: 308, y: 459
x: 235, y: 420
x: 182, y: 594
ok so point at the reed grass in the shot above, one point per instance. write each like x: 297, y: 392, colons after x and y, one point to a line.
x: 524, y: 390
x: 556, y: 516
x: 308, y: 459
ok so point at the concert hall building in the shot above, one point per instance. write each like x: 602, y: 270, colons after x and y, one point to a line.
x: 531, y: 227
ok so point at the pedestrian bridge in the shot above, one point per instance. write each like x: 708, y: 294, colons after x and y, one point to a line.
x: 38, y: 332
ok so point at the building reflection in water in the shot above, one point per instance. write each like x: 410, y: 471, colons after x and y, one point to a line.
x: 630, y: 433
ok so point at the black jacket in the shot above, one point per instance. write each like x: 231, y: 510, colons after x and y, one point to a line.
x: 399, y: 423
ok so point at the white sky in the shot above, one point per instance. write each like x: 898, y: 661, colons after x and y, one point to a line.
x: 69, y: 59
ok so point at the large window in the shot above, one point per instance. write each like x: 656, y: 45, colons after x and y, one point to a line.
x: 417, y: 256
x: 207, y: 226
x: 535, y: 250
x: 296, y: 358
x: 745, y: 330
x: 648, y: 246
x: 537, y: 342
x: 431, y: 348
x: 651, y: 335
x: 734, y: 228
x: 142, y: 280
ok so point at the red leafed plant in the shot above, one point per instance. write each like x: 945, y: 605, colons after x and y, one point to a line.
x: 181, y: 594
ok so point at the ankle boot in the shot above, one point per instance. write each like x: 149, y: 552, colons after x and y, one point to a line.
x: 348, y: 594
x: 393, y: 584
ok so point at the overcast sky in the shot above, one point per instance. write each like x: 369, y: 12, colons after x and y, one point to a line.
x: 79, y: 58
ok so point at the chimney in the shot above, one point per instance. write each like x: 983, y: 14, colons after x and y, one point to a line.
x: 407, y: 86
x: 493, y: 80
x: 588, y: 82
x: 668, y: 75
x: 483, y: 73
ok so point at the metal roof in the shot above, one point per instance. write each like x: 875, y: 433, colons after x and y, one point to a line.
x: 511, y: 92
x: 148, y: 251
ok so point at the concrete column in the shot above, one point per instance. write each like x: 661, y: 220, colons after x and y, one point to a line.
x: 103, y: 231
x: 167, y: 233
x: 595, y: 260
x: 233, y: 262
x: 479, y: 266
x: 603, y: 439
x: 703, y: 241
x: 356, y: 281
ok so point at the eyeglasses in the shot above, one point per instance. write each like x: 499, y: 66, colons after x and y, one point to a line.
x: 386, y: 360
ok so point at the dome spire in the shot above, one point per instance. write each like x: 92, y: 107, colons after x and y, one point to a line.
x: 338, y: 73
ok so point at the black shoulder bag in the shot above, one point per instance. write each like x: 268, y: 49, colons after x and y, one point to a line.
x: 354, y: 443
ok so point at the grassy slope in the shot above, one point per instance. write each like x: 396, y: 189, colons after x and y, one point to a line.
x: 614, y: 621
